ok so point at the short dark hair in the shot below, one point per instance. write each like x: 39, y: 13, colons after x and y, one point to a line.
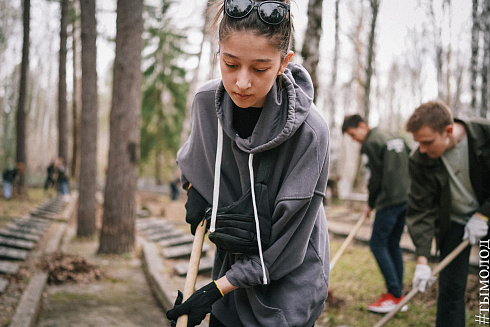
x: 352, y: 121
x: 435, y: 114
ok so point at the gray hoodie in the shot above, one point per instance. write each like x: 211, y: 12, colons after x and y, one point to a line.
x: 296, y: 262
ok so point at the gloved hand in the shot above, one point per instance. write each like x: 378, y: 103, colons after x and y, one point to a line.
x: 197, y: 306
x: 422, y: 277
x: 475, y: 229
x: 178, y: 301
x: 196, y: 207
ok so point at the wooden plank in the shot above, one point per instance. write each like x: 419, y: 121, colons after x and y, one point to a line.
x: 16, y: 243
x: 205, y: 266
x: 158, y: 229
x: 25, y: 229
x: 12, y: 254
x: 165, y: 235
x: 154, y: 225
x: 32, y: 223
x: 43, y: 214
x: 7, y: 267
x: 184, y: 239
x: 22, y: 236
x: 183, y: 251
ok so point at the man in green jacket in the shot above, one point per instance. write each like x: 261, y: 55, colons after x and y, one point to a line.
x: 385, y: 156
x: 449, y: 198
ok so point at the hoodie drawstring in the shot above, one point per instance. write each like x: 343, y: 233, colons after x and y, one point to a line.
x: 256, y: 215
x: 214, y: 211
x: 217, y: 175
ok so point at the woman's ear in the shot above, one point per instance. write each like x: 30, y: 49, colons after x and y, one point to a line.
x: 285, y: 63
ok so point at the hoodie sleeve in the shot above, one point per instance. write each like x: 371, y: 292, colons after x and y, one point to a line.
x: 422, y: 209
x: 196, y: 157
x: 297, y: 208
x: 374, y: 157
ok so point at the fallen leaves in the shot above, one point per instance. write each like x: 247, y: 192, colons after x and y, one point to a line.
x: 63, y: 268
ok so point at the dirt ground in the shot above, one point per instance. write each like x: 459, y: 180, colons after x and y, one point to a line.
x: 121, y: 298
x: 114, y: 290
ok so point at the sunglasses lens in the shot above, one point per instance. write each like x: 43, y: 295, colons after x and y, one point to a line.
x: 272, y: 13
x: 238, y: 8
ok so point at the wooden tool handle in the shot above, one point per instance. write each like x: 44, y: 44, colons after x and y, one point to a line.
x: 349, y: 239
x: 190, y: 279
x: 450, y: 257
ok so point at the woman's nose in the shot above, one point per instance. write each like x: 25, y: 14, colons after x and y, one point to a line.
x: 243, y: 80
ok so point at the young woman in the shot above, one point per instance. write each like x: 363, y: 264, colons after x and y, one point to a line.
x: 256, y: 164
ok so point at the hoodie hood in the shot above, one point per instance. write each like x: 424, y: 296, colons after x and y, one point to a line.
x: 286, y: 107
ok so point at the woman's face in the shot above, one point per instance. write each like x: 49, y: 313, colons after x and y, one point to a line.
x: 249, y: 66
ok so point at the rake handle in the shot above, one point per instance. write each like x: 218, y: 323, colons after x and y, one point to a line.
x: 190, y: 279
x: 347, y: 241
x: 450, y: 257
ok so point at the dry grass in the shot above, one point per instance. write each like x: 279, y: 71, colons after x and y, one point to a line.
x: 17, y: 207
x: 356, y: 281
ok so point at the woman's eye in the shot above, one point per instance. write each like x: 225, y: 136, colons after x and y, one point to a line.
x: 261, y: 70
x: 230, y: 65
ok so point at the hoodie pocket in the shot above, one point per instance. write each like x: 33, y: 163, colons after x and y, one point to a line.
x: 236, y: 230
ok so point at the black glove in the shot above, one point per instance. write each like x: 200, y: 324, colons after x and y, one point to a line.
x: 196, y: 207
x: 178, y: 301
x: 197, y: 306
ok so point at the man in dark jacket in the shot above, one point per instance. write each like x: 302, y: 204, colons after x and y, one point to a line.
x: 449, y: 198
x: 385, y: 155
x: 50, y: 180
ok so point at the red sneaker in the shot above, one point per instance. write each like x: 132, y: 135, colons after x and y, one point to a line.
x: 386, y: 303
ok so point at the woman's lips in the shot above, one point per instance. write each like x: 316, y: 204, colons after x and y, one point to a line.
x: 242, y: 97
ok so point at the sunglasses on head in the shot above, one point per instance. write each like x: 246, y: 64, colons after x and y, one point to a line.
x: 270, y: 12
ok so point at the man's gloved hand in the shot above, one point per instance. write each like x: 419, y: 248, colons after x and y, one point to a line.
x: 422, y: 277
x: 197, y: 306
x: 196, y: 207
x: 475, y: 229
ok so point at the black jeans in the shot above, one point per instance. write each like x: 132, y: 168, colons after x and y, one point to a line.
x: 452, y: 281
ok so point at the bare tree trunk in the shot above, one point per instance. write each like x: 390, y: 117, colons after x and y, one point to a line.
x: 158, y: 166
x: 332, y: 99
x: 459, y: 79
x: 485, y: 70
x: 186, y: 125
x: 370, y: 57
x: 21, y: 152
x: 335, y: 62
x: 75, y: 162
x: 439, y: 51
x: 159, y: 150
x: 117, y: 234
x: 88, y: 145
x: 475, y: 38
x: 357, y: 65
x: 62, y: 103
x: 311, y: 46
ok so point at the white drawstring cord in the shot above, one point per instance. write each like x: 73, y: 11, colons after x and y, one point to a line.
x: 217, y: 175
x: 257, y: 227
